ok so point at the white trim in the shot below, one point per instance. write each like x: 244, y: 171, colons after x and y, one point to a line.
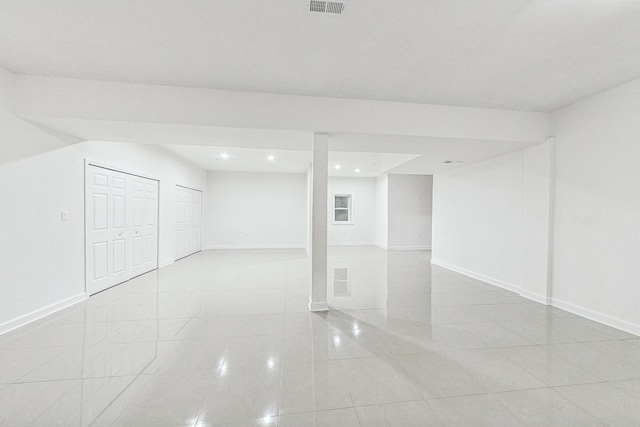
x: 380, y: 245
x: 614, y: 322
x: 119, y: 169
x: 508, y: 286
x: 351, y: 244
x: 535, y: 297
x: 40, y: 313
x: 482, y: 277
x: 210, y: 247
x: 166, y: 263
x: 318, y: 306
x: 188, y: 188
x: 409, y: 248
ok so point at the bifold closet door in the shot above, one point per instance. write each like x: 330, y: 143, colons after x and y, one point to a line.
x: 121, y: 216
x: 188, y: 221
x: 144, y: 225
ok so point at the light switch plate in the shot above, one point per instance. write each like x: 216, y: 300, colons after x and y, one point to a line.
x: 64, y: 216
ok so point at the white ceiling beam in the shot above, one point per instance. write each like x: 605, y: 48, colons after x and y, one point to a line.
x: 49, y: 99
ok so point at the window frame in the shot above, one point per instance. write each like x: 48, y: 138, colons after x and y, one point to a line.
x: 349, y: 209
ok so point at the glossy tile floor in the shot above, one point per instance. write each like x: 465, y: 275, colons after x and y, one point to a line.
x: 224, y: 338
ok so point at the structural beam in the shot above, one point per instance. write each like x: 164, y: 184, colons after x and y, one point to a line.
x: 54, y: 101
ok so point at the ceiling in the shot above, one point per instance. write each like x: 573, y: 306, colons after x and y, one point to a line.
x: 534, y: 55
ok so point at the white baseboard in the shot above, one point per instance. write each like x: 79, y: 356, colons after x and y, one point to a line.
x: 605, y: 319
x: 536, y: 297
x: 499, y: 283
x: 409, y: 248
x: 166, y: 263
x: 255, y: 247
x: 351, y: 244
x: 380, y: 245
x: 318, y: 306
x: 614, y: 322
x: 40, y: 313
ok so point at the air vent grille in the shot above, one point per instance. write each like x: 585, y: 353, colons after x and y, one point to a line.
x: 335, y: 7
x: 318, y: 6
x: 326, y: 6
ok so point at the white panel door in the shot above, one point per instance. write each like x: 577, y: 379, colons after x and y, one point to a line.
x: 121, y: 227
x: 144, y: 225
x: 188, y: 221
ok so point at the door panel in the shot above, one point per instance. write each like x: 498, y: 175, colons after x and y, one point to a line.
x: 119, y: 256
x: 100, y: 211
x: 137, y: 211
x: 150, y: 230
x: 188, y: 227
x: 150, y: 212
x: 119, y: 211
x: 100, y: 180
x: 100, y: 260
x: 145, y: 224
x: 121, y: 227
x: 137, y: 251
x: 119, y: 183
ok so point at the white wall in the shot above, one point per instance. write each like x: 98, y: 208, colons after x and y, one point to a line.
x: 362, y: 230
x: 19, y: 138
x: 256, y: 210
x: 479, y: 223
x: 382, y: 211
x: 410, y: 206
x: 596, y: 241
x: 42, y: 258
x: 477, y: 218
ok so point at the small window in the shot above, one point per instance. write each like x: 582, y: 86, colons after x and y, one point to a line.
x: 342, y: 208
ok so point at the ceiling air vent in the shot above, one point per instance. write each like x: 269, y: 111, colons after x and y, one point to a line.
x: 326, y: 6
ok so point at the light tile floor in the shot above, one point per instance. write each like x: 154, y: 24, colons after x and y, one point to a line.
x: 224, y: 338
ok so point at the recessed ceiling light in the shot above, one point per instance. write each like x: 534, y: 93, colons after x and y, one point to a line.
x: 357, y: 170
x: 224, y: 156
x: 337, y: 167
x: 271, y: 158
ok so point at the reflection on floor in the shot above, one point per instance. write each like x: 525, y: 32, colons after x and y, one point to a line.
x: 224, y: 338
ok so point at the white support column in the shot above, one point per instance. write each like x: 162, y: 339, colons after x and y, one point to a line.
x: 309, y: 208
x: 319, y: 177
